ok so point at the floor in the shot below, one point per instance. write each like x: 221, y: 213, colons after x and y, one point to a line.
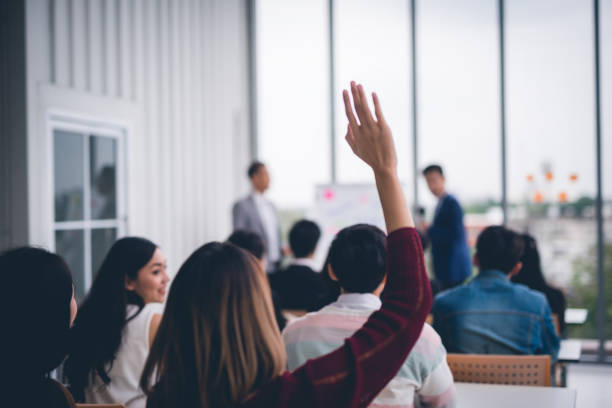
x: 593, y: 384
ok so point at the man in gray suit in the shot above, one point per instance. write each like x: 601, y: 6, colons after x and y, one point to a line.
x: 256, y: 213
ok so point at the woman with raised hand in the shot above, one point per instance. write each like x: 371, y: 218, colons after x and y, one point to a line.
x: 218, y: 344
x: 37, y: 309
x: 116, y: 325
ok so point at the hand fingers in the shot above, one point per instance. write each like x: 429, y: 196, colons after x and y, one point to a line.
x: 359, y: 103
x: 377, y: 109
x: 349, y: 109
x: 363, y: 101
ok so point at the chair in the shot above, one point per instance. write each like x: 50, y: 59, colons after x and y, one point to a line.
x: 100, y: 406
x: 555, y: 319
x: 498, y: 369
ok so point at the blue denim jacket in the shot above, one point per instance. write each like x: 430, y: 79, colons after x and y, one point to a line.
x: 491, y: 315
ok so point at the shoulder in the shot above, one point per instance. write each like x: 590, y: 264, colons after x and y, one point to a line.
x: 242, y: 202
x: 531, y: 299
x: 451, y: 296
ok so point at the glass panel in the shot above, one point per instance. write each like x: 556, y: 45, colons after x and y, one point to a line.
x: 69, y: 244
x: 551, y: 142
x: 378, y: 57
x: 458, y: 102
x: 606, y: 154
x: 101, y: 241
x: 68, y: 175
x: 103, y: 177
x: 293, y: 98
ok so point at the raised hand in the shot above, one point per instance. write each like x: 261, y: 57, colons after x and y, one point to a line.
x: 370, y: 139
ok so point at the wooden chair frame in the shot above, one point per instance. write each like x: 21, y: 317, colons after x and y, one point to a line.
x: 501, y: 369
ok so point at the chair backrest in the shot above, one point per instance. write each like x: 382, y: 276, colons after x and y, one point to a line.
x: 100, y: 406
x: 500, y: 369
x: 555, y: 319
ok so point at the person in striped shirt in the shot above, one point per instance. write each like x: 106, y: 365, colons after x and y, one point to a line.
x: 357, y: 262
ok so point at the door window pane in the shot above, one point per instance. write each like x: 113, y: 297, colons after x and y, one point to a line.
x: 103, y: 177
x: 68, y: 175
x: 101, y: 241
x: 69, y: 244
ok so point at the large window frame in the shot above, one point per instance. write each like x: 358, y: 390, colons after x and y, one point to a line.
x: 87, y: 127
x: 411, y: 32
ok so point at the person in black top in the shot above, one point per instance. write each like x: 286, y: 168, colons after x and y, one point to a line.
x: 298, y: 285
x: 531, y: 275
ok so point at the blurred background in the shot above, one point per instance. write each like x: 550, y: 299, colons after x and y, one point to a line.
x: 140, y: 117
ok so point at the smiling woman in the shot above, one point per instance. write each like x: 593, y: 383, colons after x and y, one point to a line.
x: 120, y: 315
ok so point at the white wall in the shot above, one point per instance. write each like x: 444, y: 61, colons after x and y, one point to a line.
x: 176, y: 73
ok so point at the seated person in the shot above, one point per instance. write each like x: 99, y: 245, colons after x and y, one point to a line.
x: 37, y: 309
x: 531, y: 275
x: 253, y: 243
x: 298, y: 286
x: 492, y: 315
x: 357, y: 262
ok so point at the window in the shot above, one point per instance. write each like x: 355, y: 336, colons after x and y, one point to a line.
x: 87, y: 175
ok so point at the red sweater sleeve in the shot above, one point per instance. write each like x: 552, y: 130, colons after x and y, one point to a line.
x: 354, y: 374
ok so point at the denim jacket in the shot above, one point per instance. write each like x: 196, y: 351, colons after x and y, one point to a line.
x: 491, y: 315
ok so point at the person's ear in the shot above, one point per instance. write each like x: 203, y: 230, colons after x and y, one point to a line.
x: 331, y: 273
x: 129, y: 283
x: 476, y: 261
x: 515, y: 269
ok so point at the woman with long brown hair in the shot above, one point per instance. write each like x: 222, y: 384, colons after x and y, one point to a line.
x: 218, y: 344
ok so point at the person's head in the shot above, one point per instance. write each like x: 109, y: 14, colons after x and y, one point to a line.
x: 434, y: 175
x: 218, y: 340
x: 357, y: 259
x: 499, y: 248
x: 251, y: 242
x: 259, y: 176
x: 36, y: 327
x: 303, y: 238
x: 531, y: 273
x: 132, y: 273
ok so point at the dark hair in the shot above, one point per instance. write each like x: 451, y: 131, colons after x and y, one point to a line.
x: 433, y: 167
x: 531, y: 273
x: 250, y: 241
x: 357, y: 257
x: 103, y: 315
x: 218, y: 341
x: 254, y: 168
x: 499, y: 248
x: 35, y: 310
x: 303, y: 238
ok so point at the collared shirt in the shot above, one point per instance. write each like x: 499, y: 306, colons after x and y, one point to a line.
x: 425, y: 374
x: 491, y: 315
x: 270, y: 224
x: 309, y: 262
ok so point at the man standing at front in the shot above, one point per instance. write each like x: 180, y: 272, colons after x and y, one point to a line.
x: 255, y: 213
x: 450, y: 252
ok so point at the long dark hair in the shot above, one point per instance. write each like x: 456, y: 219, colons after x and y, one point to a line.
x: 102, y: 316
x: 37, y: 325
x: 218, y: 340
x: 531, y: 273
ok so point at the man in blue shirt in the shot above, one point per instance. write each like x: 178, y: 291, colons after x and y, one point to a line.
x: 492, y: 315
x: 449, y: 249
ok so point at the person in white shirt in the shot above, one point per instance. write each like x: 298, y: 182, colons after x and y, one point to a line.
x: 257, y: 214
x: 117, y: 324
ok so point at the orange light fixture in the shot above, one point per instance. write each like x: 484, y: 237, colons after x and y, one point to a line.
x: 538, y: 197
x: 549, y: 176
x: 563, y: 197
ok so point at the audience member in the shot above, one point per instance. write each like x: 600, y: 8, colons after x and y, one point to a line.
x: 116, y: 325
x: 492, y: 315
x: 254, y: 244
x: 357, y: 262
x: 37, y: 310
x: 298, y: 286
x: 531, y: 275
x: 218, y: 344
x: 449, y: 249
x: 256, y: 213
